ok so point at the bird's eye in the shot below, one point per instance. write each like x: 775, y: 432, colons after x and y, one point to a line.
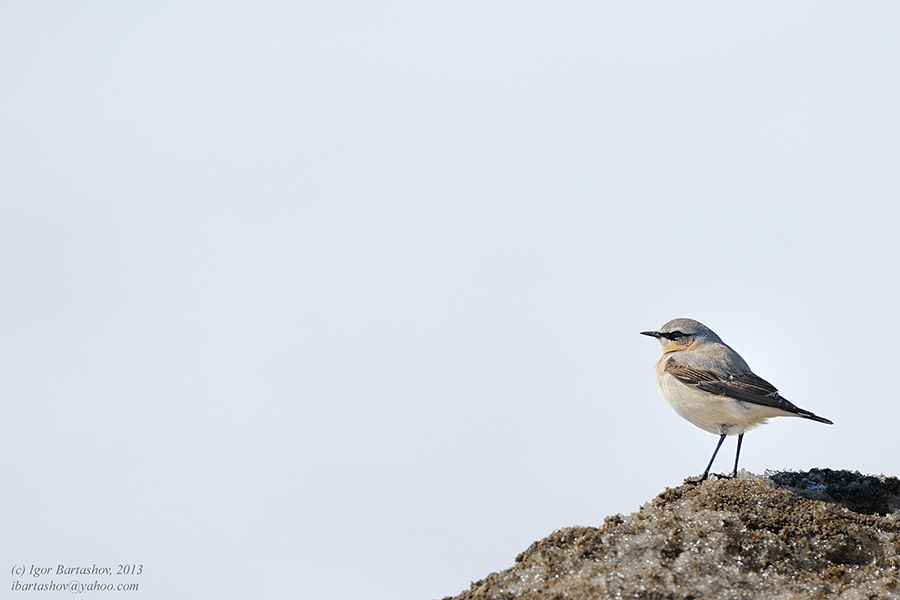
x: 675, y: 335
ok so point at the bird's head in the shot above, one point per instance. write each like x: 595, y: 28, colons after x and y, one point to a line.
x: 683, y: 334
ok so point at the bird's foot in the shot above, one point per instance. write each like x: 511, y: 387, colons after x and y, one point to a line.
x: 705, y: 476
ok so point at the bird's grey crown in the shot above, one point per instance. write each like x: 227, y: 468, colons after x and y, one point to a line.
x: 690, y: 327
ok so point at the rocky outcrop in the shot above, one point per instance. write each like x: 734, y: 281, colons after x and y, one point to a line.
x: 784, y: 535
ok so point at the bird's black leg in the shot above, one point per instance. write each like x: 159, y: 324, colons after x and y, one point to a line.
x: 716, y: 451
x: 737, y: 454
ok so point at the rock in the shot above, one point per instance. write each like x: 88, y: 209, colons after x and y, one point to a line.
x: 786, y: 535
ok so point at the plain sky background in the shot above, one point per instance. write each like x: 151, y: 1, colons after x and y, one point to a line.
x: 341, y: 300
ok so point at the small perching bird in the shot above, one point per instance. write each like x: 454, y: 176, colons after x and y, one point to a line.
x: 710, y: 385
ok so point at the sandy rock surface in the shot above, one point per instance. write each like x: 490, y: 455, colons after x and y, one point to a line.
x: 785, y: 535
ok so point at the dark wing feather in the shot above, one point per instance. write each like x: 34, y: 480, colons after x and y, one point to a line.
x: 746, y: 388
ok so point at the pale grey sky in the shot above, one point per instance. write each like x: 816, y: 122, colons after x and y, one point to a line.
x: 342, y: 300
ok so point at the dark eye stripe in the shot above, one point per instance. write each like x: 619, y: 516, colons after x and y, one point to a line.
x: 674, y: 335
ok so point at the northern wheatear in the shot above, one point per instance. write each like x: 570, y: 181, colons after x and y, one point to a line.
x: 710, y: 385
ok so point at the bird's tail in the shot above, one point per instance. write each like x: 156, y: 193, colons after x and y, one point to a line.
x: 813, y: 417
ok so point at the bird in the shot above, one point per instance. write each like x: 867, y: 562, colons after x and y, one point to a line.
x: 707, y: 383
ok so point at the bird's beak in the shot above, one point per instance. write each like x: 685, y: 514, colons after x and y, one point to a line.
x: 651, y: 333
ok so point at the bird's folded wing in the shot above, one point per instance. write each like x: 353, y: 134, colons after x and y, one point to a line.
x: 746, y: 387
